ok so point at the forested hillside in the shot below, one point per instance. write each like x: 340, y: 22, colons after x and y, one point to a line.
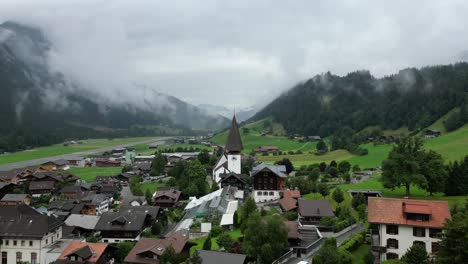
x: 413, y: 98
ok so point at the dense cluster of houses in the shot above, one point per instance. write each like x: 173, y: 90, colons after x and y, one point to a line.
x: 57, y: 231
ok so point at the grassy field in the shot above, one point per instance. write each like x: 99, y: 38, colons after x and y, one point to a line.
x: 235, y: 234
x: 59, y: 149
x: 151, y: 186
x: 184, y: 145
x: 309, y: 158
x: 89, y: 174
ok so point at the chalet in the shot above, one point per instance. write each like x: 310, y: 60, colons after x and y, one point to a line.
x: 38, y: 188
x: 149, y: 250
x: 144, y: 159
x: 143, y: 167
x: 79, y: 252
x: 314, y: 138
x: 118, y: 151
x: 402, y: 223
x: 107, y: 163
x: 154, y: 145
x: 109, y: 189
x: 312, y: 211
x: 215, y: 257
x: 25, y: 232
x: 166, y: 197
x: 60, y: 164
x: 121, y: 226
x: 72, y: 191
x: 268, y: 182
x: 432, y: 133
x: 76, y: 161
x: 100, y: 201
x: 150, y: 211
x: 81, y: 224
x: 230, y: 161
x: 15, y: 199
x: 233, y: 179
x: 301, y: 237
x: 126, y: 176
x: 15, y: 176
x: 366, y: 193
x: 134, y: 201
x: 266, y: 149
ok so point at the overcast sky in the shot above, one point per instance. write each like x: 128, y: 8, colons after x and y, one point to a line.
x: 239, y: 53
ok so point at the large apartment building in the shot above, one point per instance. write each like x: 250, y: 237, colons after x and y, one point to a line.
x: 401, y: 223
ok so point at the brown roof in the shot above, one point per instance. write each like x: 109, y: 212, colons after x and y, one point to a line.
x: 234, y: 141
x: 156, y: 247
x: 169, y: 192
x: 78, y: 247
x: 288, y: 203
x: 41, y: 185
x: 292, y: 229
x: 392, y: 211
x: 292, y: 194
x: 308, y: 208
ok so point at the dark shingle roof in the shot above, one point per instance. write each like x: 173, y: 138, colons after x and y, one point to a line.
x: 41, y: 185
x: 216, y: 257
x: 149, y: 210
x: 308, y: 208
x: 121, y: 221
x: 234, y: 141
x: 14, y: 197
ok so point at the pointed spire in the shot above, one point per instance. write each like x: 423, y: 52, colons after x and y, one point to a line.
x: 234, y: 141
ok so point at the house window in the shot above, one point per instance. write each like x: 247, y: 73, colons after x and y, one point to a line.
x: 15, y: 243
x: 392, y: 243
x: 435, y: 247
x: 271, y: 194
x: 259, y: 193
x: 30, y: 243
x: 23, y: 243
x: 19, y: 257
x: 419, y: 231
x: 435, y: 232
x: 7, y: 242
x: 33, y: 258
x: 392, y: 229
x: 4, y: 257
x: 392, y: 256
x: 265, y: 193
x: 421, y: 243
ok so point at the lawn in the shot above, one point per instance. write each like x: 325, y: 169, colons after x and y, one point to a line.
x: 309, y: 158
x: 358, y: 255
x: 151, y: 186
x: 235, y: 234
x: 89, y: 174
x: 59, y: 149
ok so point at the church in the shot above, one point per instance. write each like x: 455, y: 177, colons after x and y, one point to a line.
x: 230, y: 161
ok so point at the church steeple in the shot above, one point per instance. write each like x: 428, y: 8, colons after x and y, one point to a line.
x: 234, y: 141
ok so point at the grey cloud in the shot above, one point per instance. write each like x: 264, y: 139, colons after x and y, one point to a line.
x: 238, y: 53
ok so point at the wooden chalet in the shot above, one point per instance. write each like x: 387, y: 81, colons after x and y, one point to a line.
x: 233, y: 179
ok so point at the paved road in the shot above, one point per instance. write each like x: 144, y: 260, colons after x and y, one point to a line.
x: 22, y: 164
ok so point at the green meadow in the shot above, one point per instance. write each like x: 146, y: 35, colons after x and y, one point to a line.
x: 89, y: 174
x: 59, y: 149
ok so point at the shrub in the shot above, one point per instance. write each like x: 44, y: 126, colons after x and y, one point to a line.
x: 216, y: 231
x: 354, y: 241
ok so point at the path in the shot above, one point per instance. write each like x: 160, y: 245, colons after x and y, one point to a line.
x: 34, y: 162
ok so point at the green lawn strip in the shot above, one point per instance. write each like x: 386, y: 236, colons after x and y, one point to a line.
x: 151, y: 186
x: 358, y: 255
x: 89, y: 174
x: 59, y: 149
x: 307, y: 159
x: 235, y: 234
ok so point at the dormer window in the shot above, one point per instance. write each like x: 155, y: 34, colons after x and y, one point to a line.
x: 418, y: 217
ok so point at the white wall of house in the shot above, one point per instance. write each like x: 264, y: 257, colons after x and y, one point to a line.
x: 234, y: 163
x: 405, y: 240
x: 266, y: 195
x: 118, y: 240
x: 219, y: 170
x: 28, y: 247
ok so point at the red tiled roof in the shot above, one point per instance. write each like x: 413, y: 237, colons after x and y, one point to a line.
x: 292, y: 229
x: 292, y: 194
x: 97, y: 248
x: 392, y: 211
x: 288, y: 204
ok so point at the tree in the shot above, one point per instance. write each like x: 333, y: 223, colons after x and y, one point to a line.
x: 333, y: 171
x: 314, y: 174
x: 330, y: 254
x: 247, y: 165
x: 236, y: 219
x: 338, y: 195
x: 169, y: 256
x: 195, y: 258
x: 265, y: 238
x: 214, y: 186
x: 225, y: 241
x: 323, y: 189
x: 402, y: 167
x: 204, y: 157
x: 433, y: 169
x: 246, y: 210
x: 344, y: 167
x: 356, y: 168
x: 357, y: 200
x: 416, y: 254
x: 321, y: 147
x: 148, y: 196
x: 453, y: 247
x: 287, y: 163
x: 123, y: 248
x: 333, y: 164
x: 322, y: 166
x: 159, y: 164
x: 457, y: 180
x: 207, y: 243
x: 156, y: 228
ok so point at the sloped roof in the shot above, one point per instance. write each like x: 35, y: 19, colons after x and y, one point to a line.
x: 234, y: 141
x: 292, y: 194
x: 288, y: 203
x: 292, y: 229
x: 279, y: 170
x: 169, y: 192
x: 14, y: 197
x: 308, y: 208
x: 84, y: 221
x: 84, y: 249
x: 392, y: 211
x: 216, y: 257
x: 41, y: 185
x: 147, y: 209
x: 128, y: 221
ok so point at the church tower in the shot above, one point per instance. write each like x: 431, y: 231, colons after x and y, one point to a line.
x: 234, y: 148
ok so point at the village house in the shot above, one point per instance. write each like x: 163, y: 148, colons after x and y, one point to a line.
x: 288, y: 204
x: 15, y: 199
x: 432, y: 133
x: 269, y: 182
x: 401, y: 223
x: 216, y: 257
x: 24, y: 232
x: 107, y: 163
x: 76, y: 161
x: 121, y: 226
x: 5, y: 188
x: 81, y: 225
x: 266, y: 149
x: 233, y: 179
x: 38, y: 188
x: 312, y: 211
x: 79, y: 252
x: 166, y: 197
x: 149, y: 250
x: 230, y: 161
x: 54, y: 165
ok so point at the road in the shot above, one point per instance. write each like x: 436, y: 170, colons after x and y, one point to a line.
x: 27, y: 163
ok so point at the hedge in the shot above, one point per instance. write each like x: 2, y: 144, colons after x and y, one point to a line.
x: 354, y: 242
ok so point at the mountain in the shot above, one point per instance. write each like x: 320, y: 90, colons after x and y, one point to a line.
x: 412, y: 98
x: 40, y: 107
x: 241, y: 114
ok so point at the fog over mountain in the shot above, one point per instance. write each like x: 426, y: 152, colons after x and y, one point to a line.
x: 237, y: 53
